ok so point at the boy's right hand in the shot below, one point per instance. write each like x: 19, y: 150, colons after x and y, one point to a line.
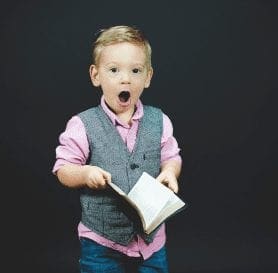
x: 95, y: 177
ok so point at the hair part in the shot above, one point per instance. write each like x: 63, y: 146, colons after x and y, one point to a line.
x: 120, y: 34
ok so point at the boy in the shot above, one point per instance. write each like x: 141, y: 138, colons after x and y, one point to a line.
x: 117, y: 141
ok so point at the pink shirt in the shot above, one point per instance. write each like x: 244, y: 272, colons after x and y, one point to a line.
x: 74, y: 148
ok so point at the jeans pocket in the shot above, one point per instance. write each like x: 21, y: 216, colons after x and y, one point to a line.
x: 98, y: 258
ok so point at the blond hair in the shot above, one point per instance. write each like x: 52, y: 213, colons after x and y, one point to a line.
x: 120, y: 34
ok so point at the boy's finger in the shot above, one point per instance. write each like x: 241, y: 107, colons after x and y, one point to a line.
x: 174, y: 187
x: 160, y: 178
x: 101, y: 181
x: 106, y: 176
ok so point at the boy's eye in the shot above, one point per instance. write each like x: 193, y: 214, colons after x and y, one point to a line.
x: 113, y: 69
x: 136, y: 70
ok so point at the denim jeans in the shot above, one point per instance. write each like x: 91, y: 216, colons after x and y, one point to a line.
x: 96, y: 258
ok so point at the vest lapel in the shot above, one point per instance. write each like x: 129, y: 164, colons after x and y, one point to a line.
x: 117, y: 135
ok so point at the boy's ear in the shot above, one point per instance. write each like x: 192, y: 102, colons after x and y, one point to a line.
x: 94, y: 75
x: 149, y: 77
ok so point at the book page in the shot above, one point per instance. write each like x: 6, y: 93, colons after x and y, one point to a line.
x: 129, y: 200
x: 174, y: 204
x: 150, y: 196
x: 153, y: 201
x: 116, y: 188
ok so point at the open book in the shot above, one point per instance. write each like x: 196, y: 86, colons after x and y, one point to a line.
x: 153, y: 201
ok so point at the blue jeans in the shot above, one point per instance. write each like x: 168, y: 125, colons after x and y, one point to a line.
x: 96, y: 258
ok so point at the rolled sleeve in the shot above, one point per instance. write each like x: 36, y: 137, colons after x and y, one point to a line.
x: 73, y: 145
x: 169, y: 145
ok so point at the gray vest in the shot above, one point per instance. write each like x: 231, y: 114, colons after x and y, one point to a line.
x: 103, y: 211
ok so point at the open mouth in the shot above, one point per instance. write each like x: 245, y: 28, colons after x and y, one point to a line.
x: 124, y: 96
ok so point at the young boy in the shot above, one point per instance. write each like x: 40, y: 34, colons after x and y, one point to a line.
x: 117, y: 141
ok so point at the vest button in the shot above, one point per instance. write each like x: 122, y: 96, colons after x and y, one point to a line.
x: 133, y: 166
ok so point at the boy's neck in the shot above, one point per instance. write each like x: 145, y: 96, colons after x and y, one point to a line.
x: 126, y: 116
x: 123, y: 117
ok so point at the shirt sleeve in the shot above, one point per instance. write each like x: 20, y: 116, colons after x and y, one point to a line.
x: 73, y: 145
x: 169, y: 146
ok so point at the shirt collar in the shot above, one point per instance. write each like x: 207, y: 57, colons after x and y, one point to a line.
x: 138, y: 114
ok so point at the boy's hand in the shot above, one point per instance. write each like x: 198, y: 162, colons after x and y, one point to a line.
x: 170, y: 170
x: 95, y: 177
x: 168, y: 178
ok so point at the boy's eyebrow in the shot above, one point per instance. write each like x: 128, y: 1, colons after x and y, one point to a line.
x: 141, y: 64
x: 111, y: 63
x: 132, y: 64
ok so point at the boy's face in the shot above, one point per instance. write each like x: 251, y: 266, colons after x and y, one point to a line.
x: 122, y: 73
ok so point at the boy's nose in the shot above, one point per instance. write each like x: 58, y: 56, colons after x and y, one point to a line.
x: 125, y: 77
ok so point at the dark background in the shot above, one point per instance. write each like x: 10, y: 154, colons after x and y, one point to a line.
x: 215, y: 66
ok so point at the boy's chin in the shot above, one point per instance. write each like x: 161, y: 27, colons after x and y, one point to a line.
x: 121, y: 108
x: 124, y: 109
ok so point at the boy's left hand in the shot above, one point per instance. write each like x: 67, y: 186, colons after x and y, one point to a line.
x: 168, y: 178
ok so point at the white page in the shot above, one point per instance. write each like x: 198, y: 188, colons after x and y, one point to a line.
x: 175, y: 203
x: 116, y: 188
x: 150, y: 196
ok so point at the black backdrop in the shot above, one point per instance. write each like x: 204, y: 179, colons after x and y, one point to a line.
x: 215, y: 66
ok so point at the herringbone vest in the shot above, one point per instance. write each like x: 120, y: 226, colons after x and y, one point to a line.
x: 103, y: 211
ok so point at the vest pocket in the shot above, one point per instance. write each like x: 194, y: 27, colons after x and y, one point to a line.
x: 150, y: 154
x: 114, y: 220
x: 151, y: 161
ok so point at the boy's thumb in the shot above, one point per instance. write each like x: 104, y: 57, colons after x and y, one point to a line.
x: 106, y: 176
